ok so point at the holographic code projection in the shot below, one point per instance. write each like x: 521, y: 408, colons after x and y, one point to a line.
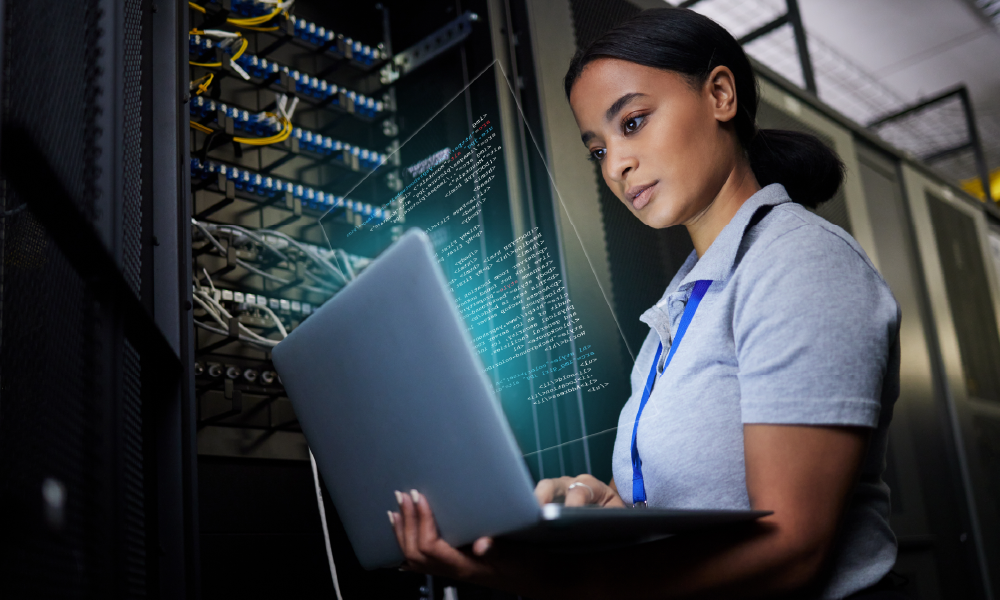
x: 560, y: 388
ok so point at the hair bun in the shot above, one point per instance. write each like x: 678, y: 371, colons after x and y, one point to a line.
x: 809, y: 169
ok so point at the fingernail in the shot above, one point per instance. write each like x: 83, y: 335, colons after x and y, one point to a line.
x: 399, y: 498
x: 392, y: 519
x: 483, y: 547
x: 415, y: 496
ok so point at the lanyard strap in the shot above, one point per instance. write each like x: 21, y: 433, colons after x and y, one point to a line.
x: 638, y: 489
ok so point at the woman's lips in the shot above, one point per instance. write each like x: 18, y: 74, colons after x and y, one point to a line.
x: 641, y: 195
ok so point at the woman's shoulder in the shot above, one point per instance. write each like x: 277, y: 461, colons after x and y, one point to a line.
x: 789, y: 236
x: 793, y: 253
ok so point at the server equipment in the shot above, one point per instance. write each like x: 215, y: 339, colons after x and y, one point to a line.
x: 177, y: 184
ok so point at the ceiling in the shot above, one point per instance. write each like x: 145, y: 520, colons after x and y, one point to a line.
x: 874, y: 57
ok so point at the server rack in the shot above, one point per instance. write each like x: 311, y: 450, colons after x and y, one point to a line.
x: 288, y: 112
x: 96, y: 474
x: 149, y: 483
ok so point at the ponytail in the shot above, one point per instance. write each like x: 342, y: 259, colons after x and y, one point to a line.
x: 809, y: 169
x: 685, y: 42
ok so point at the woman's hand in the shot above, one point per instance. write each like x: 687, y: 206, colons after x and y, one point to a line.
x: 425, y: 551
x: 578, y: 491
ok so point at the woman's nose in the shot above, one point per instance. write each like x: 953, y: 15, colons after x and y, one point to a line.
x: 620, y: 164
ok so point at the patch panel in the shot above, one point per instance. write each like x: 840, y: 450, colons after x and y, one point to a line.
x: 262, y: 124
x: 317, y: 35
x: 305, y: 85
x: 266, y: 186
x: 310, y: 32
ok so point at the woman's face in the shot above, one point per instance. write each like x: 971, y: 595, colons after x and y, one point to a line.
x: 665, y: 148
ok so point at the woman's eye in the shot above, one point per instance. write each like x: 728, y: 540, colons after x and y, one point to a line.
x: 598, y: 154
x: 632, y: 123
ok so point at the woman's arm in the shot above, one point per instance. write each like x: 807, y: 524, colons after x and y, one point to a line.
x: 804, y: 474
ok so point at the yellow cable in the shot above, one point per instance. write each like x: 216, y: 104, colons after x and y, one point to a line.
x: 256, y: 20
x: 200, y: 127
x: 202, y: 88
x: 286, y: 131
x: 284, y: 134
x: 275, y: 28
x: 239, y: 53
x: 249, y: 21
x: 242, y: 49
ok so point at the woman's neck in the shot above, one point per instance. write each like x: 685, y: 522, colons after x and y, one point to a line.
x: 706, y: 226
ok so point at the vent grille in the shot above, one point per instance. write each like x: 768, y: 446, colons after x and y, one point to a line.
x: 969, y: 296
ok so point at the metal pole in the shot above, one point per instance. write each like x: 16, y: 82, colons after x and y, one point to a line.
x: 795, y: 17
x: 977, y: 145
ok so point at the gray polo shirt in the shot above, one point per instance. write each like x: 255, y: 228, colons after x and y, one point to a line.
x: 797, y: 328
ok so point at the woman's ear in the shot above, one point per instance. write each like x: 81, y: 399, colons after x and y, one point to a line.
x: 720, y: 88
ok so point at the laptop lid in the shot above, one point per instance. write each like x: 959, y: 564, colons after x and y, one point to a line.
x: 354, y: 372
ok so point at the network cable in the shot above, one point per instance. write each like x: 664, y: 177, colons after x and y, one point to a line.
x: 214, y: 309
x: 261, y: 237
x: 270, y: 240
x: 203, y: 300
x: 246, y: 7
x: 228, y: 40
x: 200, y: 86
x: 259, y: 272
x: 306, y: 85
x: 286, y: 131
x: 264, y: 124
x: 257, y: 13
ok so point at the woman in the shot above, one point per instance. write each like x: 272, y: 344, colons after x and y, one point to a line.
x: 779, y: 397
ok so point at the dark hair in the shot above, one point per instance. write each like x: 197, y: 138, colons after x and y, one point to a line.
x: 685, y: 42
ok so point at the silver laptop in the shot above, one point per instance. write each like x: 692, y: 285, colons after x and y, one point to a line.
x: 391, y: 395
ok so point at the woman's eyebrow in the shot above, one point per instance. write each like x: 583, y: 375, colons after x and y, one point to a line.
x: 613, y: 110
x: 620, y: 104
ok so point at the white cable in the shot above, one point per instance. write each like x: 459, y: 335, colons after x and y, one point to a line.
x: 220, y: 34
x: 326, y: 531
x: 207, y: 228
x: 309, y: 252
x: 291, y: 109
x: 209, y: 278
x: 211, y: 238
x: 267, y: 344
x: 252, y: 235
x: 280, y: 101
x: 277, y: 321
x: 347, y: 264
x: 211, y: 311
x: 226, y: 314
x: 236, y: 67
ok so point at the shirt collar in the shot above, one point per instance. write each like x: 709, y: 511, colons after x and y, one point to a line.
x: 717, y: 262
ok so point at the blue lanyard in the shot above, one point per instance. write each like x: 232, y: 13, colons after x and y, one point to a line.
x: 638, y: 489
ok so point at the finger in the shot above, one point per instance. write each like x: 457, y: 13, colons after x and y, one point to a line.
x: 430, y: 544
x: 427, y: 532
x: 397, y: 528
x: 410, y: 524
x: 481, y: 546
x: 579, y: 496
x: 545, y: 491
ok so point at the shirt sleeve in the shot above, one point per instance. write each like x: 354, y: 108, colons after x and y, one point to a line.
x: 813, y: 331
